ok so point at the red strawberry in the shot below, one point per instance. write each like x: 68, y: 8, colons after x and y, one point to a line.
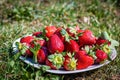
x: 41, y: 56
x: 27, y: 40
x: 55, y: 44
x: 45, y: 49
x: 101, y: 41
x: 50, y: 64
x: 87, y: 38
x: 71, y: 46
x: 28, y: 53
x: 55, y: 61
x: 39, y: 53
x: 50, y: 30
x: 69, y: 63
x: 83, y: 60
x: 37, y: 34
x: 60, y: 35
x: 101, y: 56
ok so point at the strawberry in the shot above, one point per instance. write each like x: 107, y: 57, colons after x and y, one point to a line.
x: 27, y: 40
x: 71, y: 46
x: 37, y: 34
x: 50, y: 30
x: 60, y: 34
x: 87, y: 38
x: 55, y: 44
x: 55, y: 61
x: 28, y: 53
x: 45, y: 49
x: 101, y: 41
x: 83, y: 60
x: 101, y: 56
x: 41, y: 42
x: 41, y: 56
x: 38, y: 50
x: 69, y: 62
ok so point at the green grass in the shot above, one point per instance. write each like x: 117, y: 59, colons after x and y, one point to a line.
x: 102, y: 16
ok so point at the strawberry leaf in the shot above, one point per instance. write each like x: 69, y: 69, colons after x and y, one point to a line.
x: 56, y: 60
x: 87, y: 49
x: 63, y: 53
x: 104, y: 35
x: 109, y: 57
x: 58, y: 66
x: 51, y: 58
x: 106, y: 49
x: 80, y: 34
x: 73, y: 30
x: 65, y: 34
x: 72, y: 64
x: 92, y: 54
x: 114, y: 43
x: 69, y: 54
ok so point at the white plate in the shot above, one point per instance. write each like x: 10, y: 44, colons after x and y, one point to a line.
x: 62, y: 71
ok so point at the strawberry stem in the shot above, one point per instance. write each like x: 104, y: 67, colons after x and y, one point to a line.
x: 35, y: 51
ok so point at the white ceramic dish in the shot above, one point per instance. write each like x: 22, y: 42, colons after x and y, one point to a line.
x: 62, y: 71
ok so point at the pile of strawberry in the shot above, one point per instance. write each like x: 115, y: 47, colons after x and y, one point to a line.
x: 70, y: 48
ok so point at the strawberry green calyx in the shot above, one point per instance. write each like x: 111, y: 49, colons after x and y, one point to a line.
x: 65, y: 34
x: 90, y: 52
x: 114, y: 43
x: 35, y: 51
x: 56, y: 59
x: 73, y: 30
x: 87, y: 49
x: 72, y: 64
x: 106, y: 49
x: 69, y: 54
x: 40, y: 38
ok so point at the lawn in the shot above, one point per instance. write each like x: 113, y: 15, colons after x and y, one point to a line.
x: 18, y: 18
